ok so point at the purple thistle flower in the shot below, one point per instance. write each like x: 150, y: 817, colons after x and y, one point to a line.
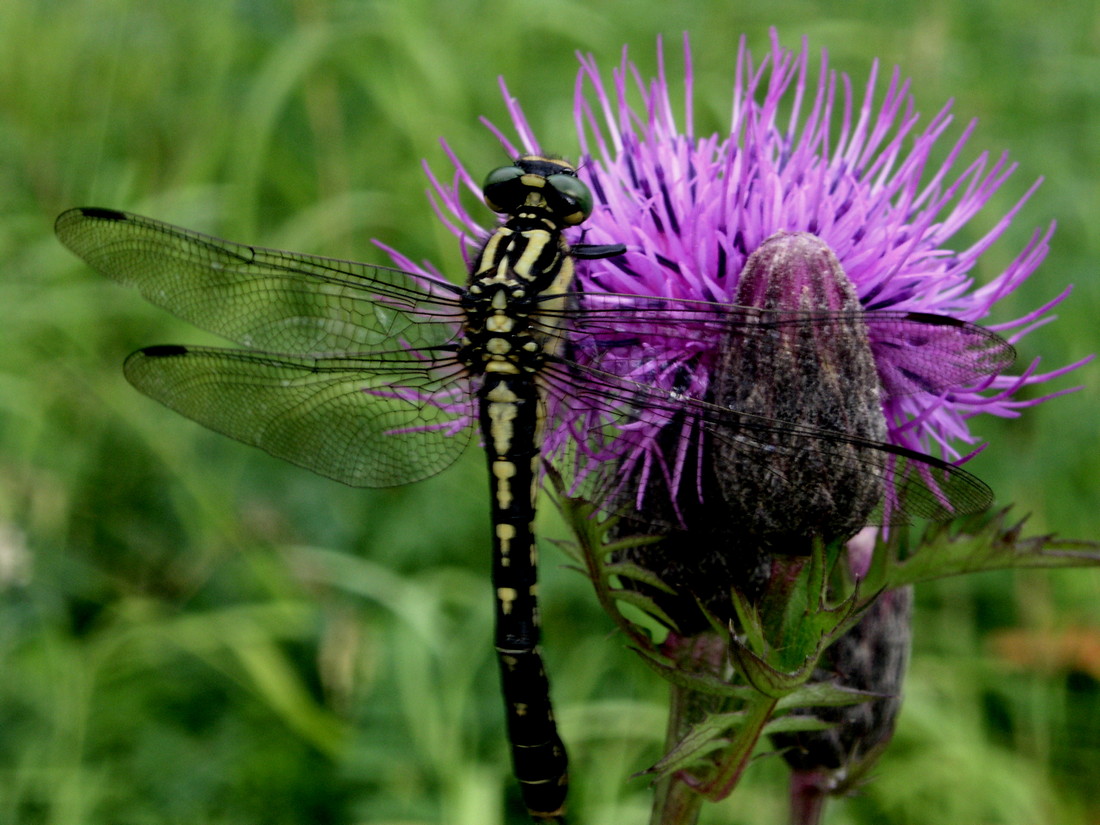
x: 692, y: 209
x: 836, y: 175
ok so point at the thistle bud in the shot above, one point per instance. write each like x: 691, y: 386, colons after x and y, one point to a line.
x: 802, y: 373
x: 790, y: 371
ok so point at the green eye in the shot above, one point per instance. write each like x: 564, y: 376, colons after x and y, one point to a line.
x: 498, y: 187
x: 574, y: 193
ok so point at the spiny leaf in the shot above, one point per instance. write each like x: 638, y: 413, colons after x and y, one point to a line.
x: 643, y: 603
x: 701, y: 681
x: 636, y: 573
x: 826, y: 694
x: 796, y: 724
x: 748, y: 617
x: 982, y: 542
x: 765, y: 678
x: 703, y: 738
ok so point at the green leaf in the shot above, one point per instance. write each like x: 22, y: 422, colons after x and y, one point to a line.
x: 701, y: 681
x: 792, y: 723
x: 748, y: 617
x: 768, y: 680
x: 702, y: 739
x: 793, y: 623
x: 636, y: 573
x: 826, y: 694
x: 982, y: 542
x: 643, y: 603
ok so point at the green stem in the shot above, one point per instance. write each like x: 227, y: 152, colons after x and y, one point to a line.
x: 676, y: 803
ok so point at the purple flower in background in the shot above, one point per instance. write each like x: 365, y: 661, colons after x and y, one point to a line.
x: 692, y: 209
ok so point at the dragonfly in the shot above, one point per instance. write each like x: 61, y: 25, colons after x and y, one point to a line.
x: 374, y: 376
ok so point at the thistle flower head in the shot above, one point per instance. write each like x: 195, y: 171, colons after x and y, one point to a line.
x: 817, y: 198
x: 856, y: 174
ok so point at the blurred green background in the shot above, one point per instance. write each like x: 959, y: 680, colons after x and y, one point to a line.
x: 192, y: 632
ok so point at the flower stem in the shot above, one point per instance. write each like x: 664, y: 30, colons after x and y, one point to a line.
x: 808, y: 798
x: 675, y: 802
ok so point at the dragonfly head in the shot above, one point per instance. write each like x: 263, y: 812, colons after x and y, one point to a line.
x: 543, y: 184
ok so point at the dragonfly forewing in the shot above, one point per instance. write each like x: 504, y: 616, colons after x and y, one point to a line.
x: 261, y: 298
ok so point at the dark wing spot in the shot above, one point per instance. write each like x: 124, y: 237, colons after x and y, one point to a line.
x: 103, y: 214
x: 935, y: 320
x: 164, y: 351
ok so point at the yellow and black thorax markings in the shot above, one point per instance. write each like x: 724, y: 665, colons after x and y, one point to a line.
x: 524, y: 269
x: 524, y: 274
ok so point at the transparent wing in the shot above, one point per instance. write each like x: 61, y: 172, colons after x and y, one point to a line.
x: 915, y: 351
x: 640, y: 450
x: 264, y: 298
x: 367, y: 421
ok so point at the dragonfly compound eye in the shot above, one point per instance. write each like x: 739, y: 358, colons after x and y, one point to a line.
x: 503, y: 191
x: 574, y: 199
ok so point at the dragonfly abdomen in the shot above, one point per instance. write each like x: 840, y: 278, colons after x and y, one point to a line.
x: 511, y: 421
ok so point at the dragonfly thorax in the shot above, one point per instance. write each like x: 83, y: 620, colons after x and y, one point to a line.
x: 497, y: 335
x: 525, y: 268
